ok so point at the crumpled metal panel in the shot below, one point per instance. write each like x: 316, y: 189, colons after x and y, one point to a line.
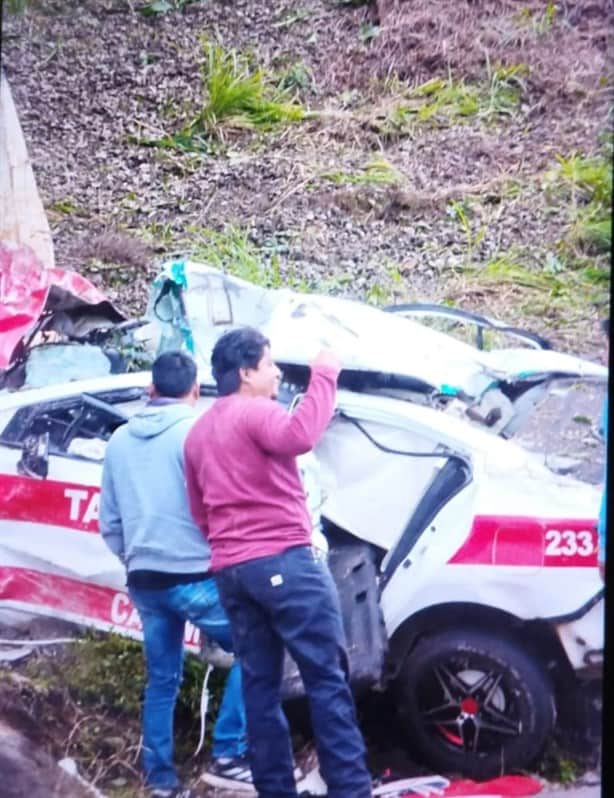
x: 25, y: 290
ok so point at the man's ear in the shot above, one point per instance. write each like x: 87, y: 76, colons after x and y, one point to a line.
x: 151, y: 391
x: 244, y: 376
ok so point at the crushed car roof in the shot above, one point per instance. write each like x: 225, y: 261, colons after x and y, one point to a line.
x: 193, y: 304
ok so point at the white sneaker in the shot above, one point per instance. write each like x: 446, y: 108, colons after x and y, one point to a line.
x: 231, y: 773
x: 312, y: 784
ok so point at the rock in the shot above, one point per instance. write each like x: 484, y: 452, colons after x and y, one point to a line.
x: 27, y: 769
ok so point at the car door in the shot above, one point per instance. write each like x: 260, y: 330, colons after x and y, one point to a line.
x: 395, y: 478
x: 377, y: 468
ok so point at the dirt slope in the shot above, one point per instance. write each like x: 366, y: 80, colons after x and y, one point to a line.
x: 464, y: 209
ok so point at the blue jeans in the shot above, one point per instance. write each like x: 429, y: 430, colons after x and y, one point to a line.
x: 163, y: 614
x: 290, y: 600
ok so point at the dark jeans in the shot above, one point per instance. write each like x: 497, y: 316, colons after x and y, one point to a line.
x: 290, y: 600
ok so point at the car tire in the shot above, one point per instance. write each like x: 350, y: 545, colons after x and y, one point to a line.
x: 475, y: 703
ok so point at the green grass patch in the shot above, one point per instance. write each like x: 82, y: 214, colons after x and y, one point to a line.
x: 442, y: 102
x: 588, y: 179
x: 87, y: 695
x: 548, y: 279
x: 538, y: 22
x: 377, y: 172
x: 240, y: 95
x: 296, y: 78
x: 186, y: 140
x: 585, y: 185
x: 558, y: 764
x: 103, y: 668
x: 68, y: 207
x: 386, y: 289
x: 161, y: 236
x: 17, y: 6
x: 594, y: 234
x: 463, y: 214
x: 232, y: 251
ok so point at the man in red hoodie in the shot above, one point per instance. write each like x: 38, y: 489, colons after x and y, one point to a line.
x: 246, y: 495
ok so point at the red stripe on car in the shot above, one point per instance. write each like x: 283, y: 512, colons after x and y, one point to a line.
x: 493, y: 539
x: 82, y: 602
x: 47, y: 501
x: 69, y: 595
x: 526, y: 541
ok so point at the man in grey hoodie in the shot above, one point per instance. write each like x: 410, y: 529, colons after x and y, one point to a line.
x: 145, y: 520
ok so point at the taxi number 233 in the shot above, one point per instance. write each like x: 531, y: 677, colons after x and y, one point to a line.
x: 569, y: 543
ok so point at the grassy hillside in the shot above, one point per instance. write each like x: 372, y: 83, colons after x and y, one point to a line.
x: 393, y: 151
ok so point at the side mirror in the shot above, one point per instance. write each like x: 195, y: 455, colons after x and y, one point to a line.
x: 34, y: 461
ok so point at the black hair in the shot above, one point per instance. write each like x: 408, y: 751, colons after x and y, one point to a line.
x: 173, y: 374
x: 238, y: 349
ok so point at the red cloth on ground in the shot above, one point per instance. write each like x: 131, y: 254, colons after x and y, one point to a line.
x: 515, y: 786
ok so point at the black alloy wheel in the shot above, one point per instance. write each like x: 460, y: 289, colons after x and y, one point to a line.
x: 475, y: 703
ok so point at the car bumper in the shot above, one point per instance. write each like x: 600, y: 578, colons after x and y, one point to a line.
x: 582, y: 639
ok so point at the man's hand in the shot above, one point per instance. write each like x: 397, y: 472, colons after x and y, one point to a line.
x: 328, y: 359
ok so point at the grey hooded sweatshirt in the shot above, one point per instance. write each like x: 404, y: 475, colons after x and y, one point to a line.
x: 144, y: 515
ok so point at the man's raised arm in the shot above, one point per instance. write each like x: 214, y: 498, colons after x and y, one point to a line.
x: 280, y: 432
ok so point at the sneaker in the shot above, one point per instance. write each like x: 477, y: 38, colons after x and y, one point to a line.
x: 171, y: 792
x: 311, y: 785
x: 232, y: 773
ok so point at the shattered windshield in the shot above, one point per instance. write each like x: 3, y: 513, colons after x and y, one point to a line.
x: 566, y: 429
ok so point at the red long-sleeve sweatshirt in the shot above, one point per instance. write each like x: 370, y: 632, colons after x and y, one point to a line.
x: 243, y: 484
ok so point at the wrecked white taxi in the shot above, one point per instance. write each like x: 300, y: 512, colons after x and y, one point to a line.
x: 466, y: 568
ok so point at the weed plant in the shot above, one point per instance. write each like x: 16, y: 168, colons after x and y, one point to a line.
x: 443, y: 102
x: 461, y: 211
x: 232, y: 251
x: 377, y: 172
x: 587, y: 184
x: 239, y: 95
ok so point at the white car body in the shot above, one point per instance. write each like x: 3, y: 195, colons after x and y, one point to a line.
x: 517, y: 538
